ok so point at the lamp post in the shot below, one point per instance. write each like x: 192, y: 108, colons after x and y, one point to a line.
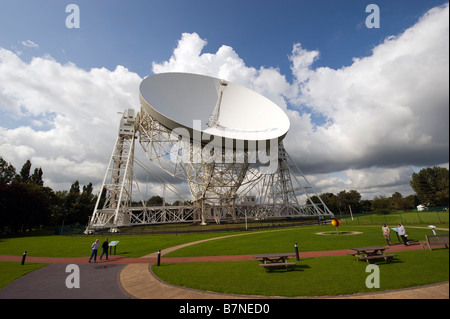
x: 159, y: 258
x: 296, y: 252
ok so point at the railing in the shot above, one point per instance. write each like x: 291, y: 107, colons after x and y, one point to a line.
x: 438, y: 217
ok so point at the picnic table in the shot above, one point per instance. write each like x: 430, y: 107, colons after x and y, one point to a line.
x: 371, y: 253
x: 276, y: 260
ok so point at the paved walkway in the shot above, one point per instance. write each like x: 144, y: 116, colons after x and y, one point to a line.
x: 98, y: 281
x: 122, y: 277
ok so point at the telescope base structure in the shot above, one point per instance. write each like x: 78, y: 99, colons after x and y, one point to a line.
x: 220, y: 190
x: 116, y: 194
x: 154, y: 215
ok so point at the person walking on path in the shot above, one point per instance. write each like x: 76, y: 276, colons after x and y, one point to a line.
x: 386, y: 233
x: 403, y: 235
x: 104, y: 249
x: 94, y: 248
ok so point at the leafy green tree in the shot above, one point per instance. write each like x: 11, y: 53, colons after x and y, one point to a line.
x: 24, y: 175
x: 366, y: 205
x: 329, y: 199
x: 7, y: 172
x: 58, y: 208
x: 432, y: 186
x: 36, y: 177
x: 24, y: 206
x: 401, y: 203
x: 78, y: 205
x: 412, y: 200
x: 382, y: 204
x: 86, y: 204
x: 75, y: 188
x: 155, y: 201
x: 349, y: 199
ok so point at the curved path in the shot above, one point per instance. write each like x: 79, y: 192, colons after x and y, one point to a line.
x: 122, y: 277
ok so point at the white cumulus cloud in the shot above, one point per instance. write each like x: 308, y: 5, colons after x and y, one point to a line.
x: 80, y: 108
x: 382, y: 116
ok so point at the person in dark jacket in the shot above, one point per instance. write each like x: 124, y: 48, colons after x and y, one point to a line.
x: 105, y: 249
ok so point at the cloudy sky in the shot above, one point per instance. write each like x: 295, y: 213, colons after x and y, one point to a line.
x: 368, y: 106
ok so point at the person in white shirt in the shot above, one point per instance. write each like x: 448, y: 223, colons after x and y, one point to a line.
x: 386, y: 233
x: 402, y: 233
x: 94, y: 248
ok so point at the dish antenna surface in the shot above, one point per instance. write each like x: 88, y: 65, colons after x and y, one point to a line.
x: 224, y: 139
x: 203, y: 105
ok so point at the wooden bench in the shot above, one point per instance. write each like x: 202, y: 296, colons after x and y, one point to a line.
x: 435, y: 240
x: 387, y: 258
x: 270, y: 266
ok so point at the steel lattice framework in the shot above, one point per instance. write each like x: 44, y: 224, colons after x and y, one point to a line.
x: 224, y: 184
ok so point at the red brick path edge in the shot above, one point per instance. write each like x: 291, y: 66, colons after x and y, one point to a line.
x: 117, y: 259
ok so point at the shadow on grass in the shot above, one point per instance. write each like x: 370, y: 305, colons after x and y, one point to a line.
x: 122, y: 253
x: 396, y: 261
x: 384, y: 262
x: 437, y: 248
x: 282, y: 269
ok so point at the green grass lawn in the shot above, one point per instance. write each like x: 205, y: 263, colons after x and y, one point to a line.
x: 284, y: 241
x: 311, y: 277
x: 10, y: 271
x: 314, y: 276
x: 394, y: 218
x: 79, y: 246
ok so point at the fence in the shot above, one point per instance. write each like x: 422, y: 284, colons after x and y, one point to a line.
x: 180, y: 228
x: 437, y: 218
x: 406, y: 218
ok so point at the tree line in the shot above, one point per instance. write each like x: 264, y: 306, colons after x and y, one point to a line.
x: 431, y: 186
x: 346, y: 202
x: 26, y: 203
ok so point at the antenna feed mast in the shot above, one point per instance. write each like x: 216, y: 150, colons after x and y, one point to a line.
x: 214, y: 119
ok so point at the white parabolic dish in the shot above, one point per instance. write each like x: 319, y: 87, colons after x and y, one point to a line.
x: 201, y: 104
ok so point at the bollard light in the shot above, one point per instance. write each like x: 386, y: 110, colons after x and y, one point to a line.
x: 296, y: 252
x: 23, y: 257
x: 159, y: 258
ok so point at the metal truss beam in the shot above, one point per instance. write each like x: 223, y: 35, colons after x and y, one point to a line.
x: 220, y: 189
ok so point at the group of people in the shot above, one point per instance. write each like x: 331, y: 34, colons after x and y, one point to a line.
x: 94, y: 249
x: 400, y: 230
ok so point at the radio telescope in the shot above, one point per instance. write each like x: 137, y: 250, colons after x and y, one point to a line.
x: 224, y: 140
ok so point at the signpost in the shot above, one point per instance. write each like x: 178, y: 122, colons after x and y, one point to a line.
x: 111, y: 245
x: 432, y: 228
x: 396, y: 232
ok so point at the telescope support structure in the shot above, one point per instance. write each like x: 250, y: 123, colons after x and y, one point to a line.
x: 223, y: 190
